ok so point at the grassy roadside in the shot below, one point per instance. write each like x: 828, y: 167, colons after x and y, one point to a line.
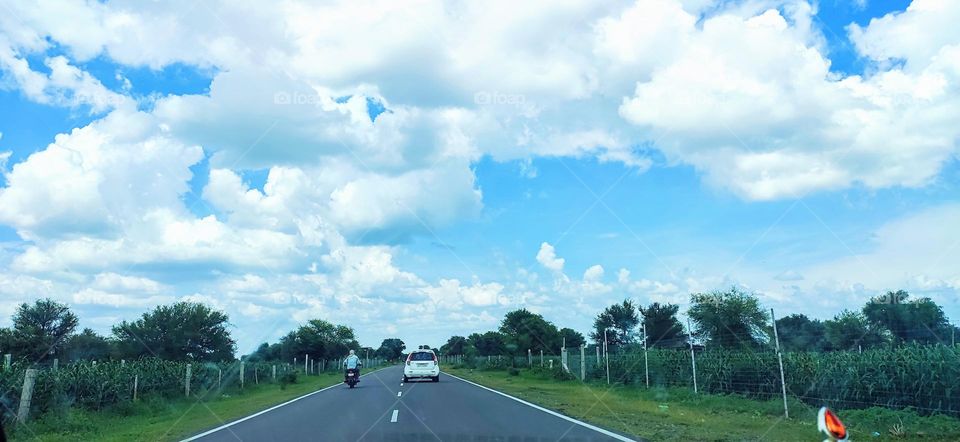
x: 153, y: 419
x: 678, y: 414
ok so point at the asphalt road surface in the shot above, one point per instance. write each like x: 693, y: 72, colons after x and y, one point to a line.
x: 381, y: 409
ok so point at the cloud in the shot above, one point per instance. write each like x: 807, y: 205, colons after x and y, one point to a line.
x: 547, y: 257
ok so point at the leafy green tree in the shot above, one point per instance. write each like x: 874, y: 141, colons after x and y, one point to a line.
x: 265, y: 352
x: 909, y: 320
x: 320, y: 340
x: 730, y: 319
x: 524, y: 330
x: 454, y: 346
x: 491, y: 343
x: 664, y: 329
x: 571, y: 337
x: 799, y: 333
x: 391, y: 348
x: 622, y: 319
x: 87, y: 345
x: 42, y: 329
x: 850, y: 330
x: 184, y: 331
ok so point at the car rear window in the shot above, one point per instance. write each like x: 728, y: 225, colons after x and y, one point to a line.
x: 421, y: 356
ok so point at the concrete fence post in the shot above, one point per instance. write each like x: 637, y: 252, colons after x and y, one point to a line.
x: 136, y: 381
x: 597, y: 348
x: 56, y: 364
x: 583, y: 362
x: 541, y: 358
x: 219, y: 377
x: 256, y: 375
x: 693, y: 356
x: 123, y: 362
x: 241, y: 374
x: 783, y: 385
x: 274, y: 373
x: 6, y: 361
x: 26, y: 394
x: 186, y: 381
x: 646, y: 362
x: 529, y: 357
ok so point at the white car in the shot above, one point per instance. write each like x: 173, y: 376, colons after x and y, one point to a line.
x: 422, y: 364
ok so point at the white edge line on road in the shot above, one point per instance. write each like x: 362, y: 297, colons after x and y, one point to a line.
x: 394, y: 417
x: 205, y: 433
x: 561, y: 416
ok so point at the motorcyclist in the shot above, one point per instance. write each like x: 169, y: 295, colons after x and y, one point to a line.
x: 352, y: 362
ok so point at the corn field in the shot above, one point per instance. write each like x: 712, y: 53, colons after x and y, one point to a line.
x: 98, y: 385
x: 924, y: 378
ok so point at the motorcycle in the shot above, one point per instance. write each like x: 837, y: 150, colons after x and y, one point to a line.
x: 351, y: 377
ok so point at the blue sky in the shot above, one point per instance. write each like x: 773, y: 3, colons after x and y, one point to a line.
x: 304, y: 169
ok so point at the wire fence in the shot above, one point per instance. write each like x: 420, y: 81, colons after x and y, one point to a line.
x: 96, y: 385
x: 921, y: 377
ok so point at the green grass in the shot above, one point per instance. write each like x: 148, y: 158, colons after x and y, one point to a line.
x: 678, y: 414
x: 155, y: 418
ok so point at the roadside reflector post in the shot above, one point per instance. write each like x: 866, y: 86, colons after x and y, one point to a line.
x: 783, y: 385
x: 26, y: 394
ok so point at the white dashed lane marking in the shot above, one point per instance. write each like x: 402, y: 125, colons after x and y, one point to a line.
x: 394, y: 417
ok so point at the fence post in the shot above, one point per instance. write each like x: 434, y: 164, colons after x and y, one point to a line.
x: 123, y: 362
x: 306, y: 359
x: 583, y: 362
x: 26, y: 394
x: 783, y: 385
x: 136, y: 380
x: 56, y: 364
x: 219, y: 377
x: 646, y: 363
x: 241, y: 374
x: 186, y: 381
x: 6, y: 361
x: 551, y: 364
x: 541, y: 358
x: 274, y: 372
x: 693, y: 356
x: 256, y: 375
x: 529, y: 357
x: 597, y: 348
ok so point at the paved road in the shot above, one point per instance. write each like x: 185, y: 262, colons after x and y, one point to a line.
x: 450, y: 410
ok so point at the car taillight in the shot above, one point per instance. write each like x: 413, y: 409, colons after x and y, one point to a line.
x: 434, y: 359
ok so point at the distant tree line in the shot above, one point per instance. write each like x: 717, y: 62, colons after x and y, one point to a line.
x: 731, y: 319
x: 184, y: 331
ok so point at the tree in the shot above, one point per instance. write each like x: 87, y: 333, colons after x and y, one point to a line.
x: 265, y: 352
x: 663, y: 328
x: 851, y: 330
x: 491, y: 343
x: 454, y: 346
x: 41, y: 330
x: 731, y: 319
x: 320, y: 340
x: 621, y: 319
x: 799, y: 333
x: 184, y: 331
x: 917, y: 320
x: 87, y: 345
x: 391, y: 348
x: 524, y: 330
x: 571, y: 337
